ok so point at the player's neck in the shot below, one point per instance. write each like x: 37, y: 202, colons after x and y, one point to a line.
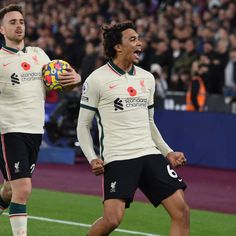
x: 18, y: 46
x: 124, y: 65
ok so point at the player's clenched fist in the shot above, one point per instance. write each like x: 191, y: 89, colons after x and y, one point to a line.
x: 97, y: 166
x: 176, y: 159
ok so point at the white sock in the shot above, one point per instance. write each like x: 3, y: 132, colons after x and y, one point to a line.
x: 19, y: 225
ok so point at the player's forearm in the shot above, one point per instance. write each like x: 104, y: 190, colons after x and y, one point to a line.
x: 86, y: 142
x: 84, y: 135
x: 159, y: 141
x: 156, y: 136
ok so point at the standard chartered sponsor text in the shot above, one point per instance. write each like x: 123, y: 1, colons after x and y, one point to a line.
x: 31, y: 76
x: 136, y: 102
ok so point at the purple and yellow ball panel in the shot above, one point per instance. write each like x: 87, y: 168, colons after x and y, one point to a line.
x: 51, y: 73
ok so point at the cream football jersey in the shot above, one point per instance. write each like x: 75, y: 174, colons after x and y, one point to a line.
x: 22, y: 92
x: 121, y: 101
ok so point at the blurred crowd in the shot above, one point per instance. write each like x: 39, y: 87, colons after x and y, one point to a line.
x: 174, y: 33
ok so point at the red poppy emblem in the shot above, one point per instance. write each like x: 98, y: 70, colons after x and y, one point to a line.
x: 132, y: 92
x: 25, y: 65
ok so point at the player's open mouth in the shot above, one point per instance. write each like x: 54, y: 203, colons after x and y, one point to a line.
x: 18, y: 32
x: 137, y: 53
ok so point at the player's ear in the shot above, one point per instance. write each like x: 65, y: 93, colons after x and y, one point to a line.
x: 117, y: 47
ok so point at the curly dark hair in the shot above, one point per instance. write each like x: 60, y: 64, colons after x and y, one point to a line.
x: 10, y: 8
x: 112, y: 35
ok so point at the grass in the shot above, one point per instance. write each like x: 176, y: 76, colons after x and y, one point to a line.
x: 141, y: 217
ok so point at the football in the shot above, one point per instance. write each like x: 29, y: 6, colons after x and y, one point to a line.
x: 51, y: 72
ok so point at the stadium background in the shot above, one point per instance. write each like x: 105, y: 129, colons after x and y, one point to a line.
x: 70, y: 30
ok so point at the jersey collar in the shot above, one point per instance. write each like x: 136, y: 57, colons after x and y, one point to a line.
x: 118, y: 70
x: 12, y: 50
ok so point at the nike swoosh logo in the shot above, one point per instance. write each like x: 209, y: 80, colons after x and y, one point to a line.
x: 6, y: 64
x: 113, y: 86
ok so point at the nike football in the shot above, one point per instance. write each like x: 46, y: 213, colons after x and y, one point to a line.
x: 51, y: 72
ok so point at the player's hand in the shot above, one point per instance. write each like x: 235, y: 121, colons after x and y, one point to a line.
x: 97, y: 166
x: 176, y: 159
x: 70, y: 78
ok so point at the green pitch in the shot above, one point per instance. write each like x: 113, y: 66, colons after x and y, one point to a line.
x: 64, y: 214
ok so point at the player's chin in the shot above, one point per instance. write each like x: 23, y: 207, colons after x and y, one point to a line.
x: 136, y: 60
x: 19, y: 39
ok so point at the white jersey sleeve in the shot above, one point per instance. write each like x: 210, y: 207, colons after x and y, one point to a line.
x: 90, y: 93
x: 83, y: 133
x: 88, y: 107
x: 44, y: 56
x: 156, y: 136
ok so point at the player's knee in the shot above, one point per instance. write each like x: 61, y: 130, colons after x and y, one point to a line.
x: 22, y: 193
x: 186, y: 214
x: 113, y: 221
x: 25, y: 192
x: 183, y: 215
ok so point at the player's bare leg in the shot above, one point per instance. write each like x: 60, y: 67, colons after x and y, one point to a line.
x: 179, y: 213
x: 114, y: 210
x: 5, y: 196
x: 21, y: 190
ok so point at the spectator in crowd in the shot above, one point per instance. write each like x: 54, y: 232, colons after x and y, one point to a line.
x: 187, y: 58
x: 204, y: 64
x: 213, y: 3
x: 89, y: 60
x: 160, y: 80
x: 215, y: 57
x: 221, y: 57
x: 176, y: 53
x: 230, y: 75
x: 232, y: 39
x: 160, y: 53
x: 208, y: 49
x: 184, y: 79
x: 204, y: 34
x: 196, y: 93
x: 181, y: 75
